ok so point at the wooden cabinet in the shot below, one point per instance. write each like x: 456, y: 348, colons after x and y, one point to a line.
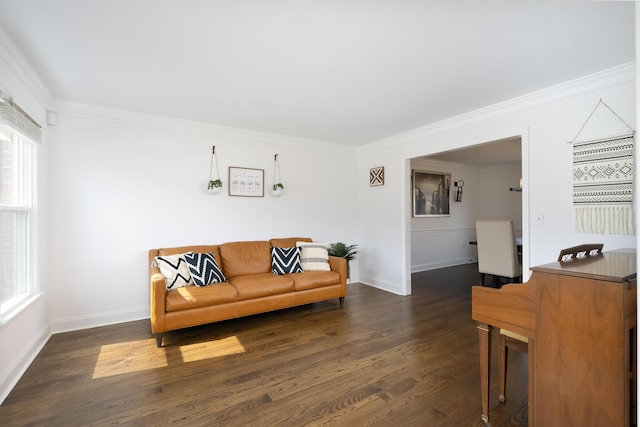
x: 580, y: 317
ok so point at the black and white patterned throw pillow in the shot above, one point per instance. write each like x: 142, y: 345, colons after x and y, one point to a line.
x: 285, y: 260
x: 204, y: 268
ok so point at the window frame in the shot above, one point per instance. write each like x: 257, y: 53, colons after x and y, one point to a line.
x: 26, y: 262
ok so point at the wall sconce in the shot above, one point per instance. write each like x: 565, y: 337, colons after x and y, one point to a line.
x: 517, y: 188
x: 459, y: 184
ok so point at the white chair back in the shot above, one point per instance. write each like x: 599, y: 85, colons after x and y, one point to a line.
x: 497, y: 249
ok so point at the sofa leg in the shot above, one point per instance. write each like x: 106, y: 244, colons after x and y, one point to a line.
x: 341, y: 301
x: 159, y: 340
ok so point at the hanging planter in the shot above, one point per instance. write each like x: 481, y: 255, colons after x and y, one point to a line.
x: 278, y: 187
x: 214, y: 187
x: 215, y: 184
x: 276, y: 191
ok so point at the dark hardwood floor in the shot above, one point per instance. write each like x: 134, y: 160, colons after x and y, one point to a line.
x: 382, y: 360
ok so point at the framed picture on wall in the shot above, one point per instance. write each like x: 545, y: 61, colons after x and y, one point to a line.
x: 430, y: 193
x: 246, y: 182
x: 376, y: 176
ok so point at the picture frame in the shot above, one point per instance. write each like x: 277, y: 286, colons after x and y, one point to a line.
x: 431, y: 193
x: 246, y: 182
x: 376, y: 176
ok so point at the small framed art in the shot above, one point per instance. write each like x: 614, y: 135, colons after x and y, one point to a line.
x: 246, y: 182
x: 376, y: 176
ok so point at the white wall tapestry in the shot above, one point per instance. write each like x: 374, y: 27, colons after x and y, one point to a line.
x: 603, y: 182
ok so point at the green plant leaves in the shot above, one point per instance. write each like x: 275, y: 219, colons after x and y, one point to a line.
x: 342, y: 250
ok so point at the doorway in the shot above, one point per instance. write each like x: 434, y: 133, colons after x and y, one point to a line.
x: 489, y: 178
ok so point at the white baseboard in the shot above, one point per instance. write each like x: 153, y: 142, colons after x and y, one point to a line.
x: 441, y: 264
x: 22, y: 362
x: 100, y: 319
x: 385, y: 286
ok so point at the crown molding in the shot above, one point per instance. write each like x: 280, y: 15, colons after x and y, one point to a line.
x: 606, y: 78
x: 22, y: 69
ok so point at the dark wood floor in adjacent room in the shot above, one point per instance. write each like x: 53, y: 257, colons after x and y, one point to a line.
x: 382, y: 360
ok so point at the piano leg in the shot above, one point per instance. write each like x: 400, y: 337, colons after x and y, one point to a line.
x: 484, y: 335
x: 503, y: 359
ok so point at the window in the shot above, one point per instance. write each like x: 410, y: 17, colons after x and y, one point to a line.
x: 17, y: 216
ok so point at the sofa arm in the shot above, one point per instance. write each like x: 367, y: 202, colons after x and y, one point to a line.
x: 339, y: 265
x: 157, y: 295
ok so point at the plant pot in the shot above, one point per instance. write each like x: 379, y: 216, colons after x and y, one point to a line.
x: 277, y: 192
x: 214, y: 190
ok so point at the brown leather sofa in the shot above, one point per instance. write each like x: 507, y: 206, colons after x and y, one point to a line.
x: 250, y: 288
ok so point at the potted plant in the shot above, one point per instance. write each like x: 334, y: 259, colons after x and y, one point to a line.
x: 276, y: 191
x: 342, y: 250
x: 215, y: 185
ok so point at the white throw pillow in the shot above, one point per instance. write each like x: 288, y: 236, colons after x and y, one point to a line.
x: 175, y: 270
x: 314, y: 256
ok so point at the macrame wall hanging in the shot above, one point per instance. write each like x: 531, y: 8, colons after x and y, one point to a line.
x: 603, y: 181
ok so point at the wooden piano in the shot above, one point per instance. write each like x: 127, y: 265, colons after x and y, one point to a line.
x: 580, y: 318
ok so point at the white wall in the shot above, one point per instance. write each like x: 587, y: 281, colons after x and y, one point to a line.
x: 545, y: 121
x: 126, y: 184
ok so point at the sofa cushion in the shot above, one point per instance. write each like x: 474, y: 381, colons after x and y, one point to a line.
x: 314, y: 256
x: 190, y: 297
x: 252, y: 286
x: 315, y: 279
x: 285, y: 260
x: 199, y: 249
x: 240, y: 258
x: 175, y: 270
x: 287, y: 242
x: 204, y: 269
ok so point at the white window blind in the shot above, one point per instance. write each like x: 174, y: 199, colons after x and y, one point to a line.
x: 19, y: 137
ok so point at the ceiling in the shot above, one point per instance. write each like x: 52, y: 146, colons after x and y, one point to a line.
x: 343, y: 71
x: 488, y: 154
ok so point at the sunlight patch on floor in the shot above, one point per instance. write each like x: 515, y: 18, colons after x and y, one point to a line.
x: 128, y: 357
x: 143, y: 355
x: 209, y: 350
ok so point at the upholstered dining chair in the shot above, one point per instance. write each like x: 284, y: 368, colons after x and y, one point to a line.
x: 497, y: 251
